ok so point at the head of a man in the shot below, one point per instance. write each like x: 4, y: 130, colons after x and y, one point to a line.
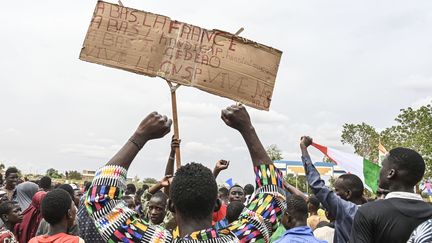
x: 402, y: 169
x: 296, y: 213
x: 234, y: 210
x: 11, y: 175
x: 10, y: 213
x: 58, y: 208
x: 349, y: 187
x: 193, y: 193
x: 45, y: 183
x: 223, y: 194
x: 237, y: 193
x: 129, y: 201
x: 249, y: 189
x: 313, y: 204
x: 69, y: 189
x: 130, y: 189
x: 157, y: 207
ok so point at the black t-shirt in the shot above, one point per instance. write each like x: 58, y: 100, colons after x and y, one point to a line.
x: 390, y: 220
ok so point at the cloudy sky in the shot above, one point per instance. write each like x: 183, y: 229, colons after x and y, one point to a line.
x: 343, y: 62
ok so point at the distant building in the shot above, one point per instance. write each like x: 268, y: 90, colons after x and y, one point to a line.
x: 88, y: 175
x: 326, y: 169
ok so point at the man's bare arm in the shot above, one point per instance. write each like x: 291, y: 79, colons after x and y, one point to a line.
x: 238, y: 118
x: 152, y: 127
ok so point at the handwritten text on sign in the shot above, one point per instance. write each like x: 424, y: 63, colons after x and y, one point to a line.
x: 154, y: 45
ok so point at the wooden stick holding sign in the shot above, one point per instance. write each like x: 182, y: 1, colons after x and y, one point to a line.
x: 173, y: 89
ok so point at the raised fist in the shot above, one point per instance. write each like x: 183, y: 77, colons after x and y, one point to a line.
x: 305, y: 141
x: 237, y: 117
x: 154, y: 126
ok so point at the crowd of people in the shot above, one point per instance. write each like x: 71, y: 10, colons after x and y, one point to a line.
x: 187, y: 206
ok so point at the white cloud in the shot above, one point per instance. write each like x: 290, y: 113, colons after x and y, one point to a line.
x: 417, y: 83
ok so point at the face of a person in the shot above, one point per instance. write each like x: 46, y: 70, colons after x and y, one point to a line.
x: 157, y: 210
x: 130, y: 203
x: 72, y: 214
x: 340, y: 189
x: 383, y: 182
x: 15, y: 216
x: 236, y: 194
x: 12, y: 180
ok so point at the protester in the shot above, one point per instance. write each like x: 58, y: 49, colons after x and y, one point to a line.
x: 236, y: 194
x: 24, y: 194
x: 32, y: 217
x: 343, y: 203
x: 422, y: 234
x: 154, y: 202
x: 10, y: 213
x: 233, y: 211
x: 313, y: 206
x: 58, y: 209
x: 130, y: 190
x: 294, y: 220
x: 44, y: 226
x: 395, y: 218
x: 11, y: 177
x: 324, y: 231
x: 249, y: 190
x: 223, y: 193
x: 87, y: 228
x: 193, y: 192
x: 45, y: 184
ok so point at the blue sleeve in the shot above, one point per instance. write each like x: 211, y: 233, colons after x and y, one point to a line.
x: 332, y: 202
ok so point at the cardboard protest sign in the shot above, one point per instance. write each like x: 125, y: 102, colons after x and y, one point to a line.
x: 154, y: 45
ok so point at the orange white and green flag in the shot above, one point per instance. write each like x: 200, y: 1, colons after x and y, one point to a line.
x: 382, y: 152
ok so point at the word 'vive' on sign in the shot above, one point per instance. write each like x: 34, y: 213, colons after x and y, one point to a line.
x: 154, y: 45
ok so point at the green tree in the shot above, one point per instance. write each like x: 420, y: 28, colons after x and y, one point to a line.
x: 301, y: 182
x: 74, y: 175
x: 150, y: 181
x: 363, y: 137
x: 53, y: 173
x: 274, y: 152
x: 413, y: 130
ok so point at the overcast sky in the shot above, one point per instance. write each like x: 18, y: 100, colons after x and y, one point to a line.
x: 342, y: 62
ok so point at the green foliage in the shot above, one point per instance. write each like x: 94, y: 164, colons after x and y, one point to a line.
x: 301, y: 182
x: 332, y: 181
x: 413, y: 130
x: 274, y: 152
x: 150, y: 181
x: 53, y: 173
x: 74, y: 175
x: 363, y: 137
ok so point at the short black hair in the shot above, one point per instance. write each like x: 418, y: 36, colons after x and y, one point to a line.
x: 68, y: 188
x: 55, y: 206
x: 161, y: 195
x: 6, y: 207
x: 314, y: 201
x: 87, y: 185
x: 131, y: 188
x: 297, y: 207
x: 194, y: 191
x: 409, y: 162
x: 234, y: 210
x: 249, y: 189
x: 353, y: 183
x: 45, y: 182
x: 236, y: 185
x: 223, y: 191
x: 11, y: 170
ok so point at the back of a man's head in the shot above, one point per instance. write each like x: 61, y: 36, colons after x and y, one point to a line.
x: 45, y: 183
x: 409, y: 164
x: 234, y: 210
x: 313, y: 204
x: 297, y: 208
x: 249, y: 189
x: 194, y: 191
x: 354, y: 184
x: 55, y: 206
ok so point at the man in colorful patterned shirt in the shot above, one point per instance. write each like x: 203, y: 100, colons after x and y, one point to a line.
x: 193, y: 192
